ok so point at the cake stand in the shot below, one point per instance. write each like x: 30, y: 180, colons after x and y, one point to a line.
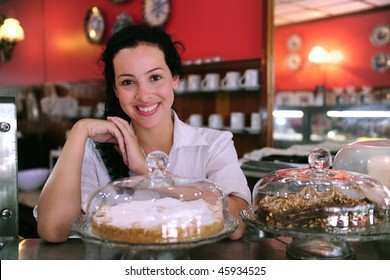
x: 147, y: 191
x: 98, y: 248
x: 320, y: 243
x: 346, y: 206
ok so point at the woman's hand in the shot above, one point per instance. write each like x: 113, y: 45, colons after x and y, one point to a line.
x: 132, y: 152
x: 119, y: 132
x: 101, y: 131
x: 234, y: 207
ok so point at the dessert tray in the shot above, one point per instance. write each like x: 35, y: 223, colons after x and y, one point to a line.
x: 83, y: 229
x: 318, y: 244
x: 339, y: 223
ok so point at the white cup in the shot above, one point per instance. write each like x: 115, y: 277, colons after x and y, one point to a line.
x: 231, y: 81
x: 210, y: 82
x: 237, y: 120
x: 193, y: 82
x: 216, y: 121
x: 196, y: 120
x: 250, y: 79
x: 181, y: 86
x: 255, y: 121
x: 99, y: 110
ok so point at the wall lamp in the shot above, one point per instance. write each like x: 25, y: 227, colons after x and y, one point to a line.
x: 320, y: 55
x: 10, y: 33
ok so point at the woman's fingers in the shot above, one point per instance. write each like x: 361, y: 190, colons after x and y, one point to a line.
x: 106, y: 132
x: 123, y: 126
x: 135, y: 156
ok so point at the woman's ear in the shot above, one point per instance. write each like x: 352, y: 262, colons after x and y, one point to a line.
x: 175, y: 82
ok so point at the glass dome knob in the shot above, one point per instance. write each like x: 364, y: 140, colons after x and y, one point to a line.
x: 157, y: 163
x: 320, y: 159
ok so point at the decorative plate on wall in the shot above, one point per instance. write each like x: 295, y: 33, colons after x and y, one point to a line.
x: 380, y: 35
x: 293, y: 61
x: 94, y: 25
x: 380, y: 62
x: 294, y: 42
x: 121, y: 20
x: 156, y: 12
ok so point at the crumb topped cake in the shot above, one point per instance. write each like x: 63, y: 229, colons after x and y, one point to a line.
x: 310, y: 209
x: 158, y: 221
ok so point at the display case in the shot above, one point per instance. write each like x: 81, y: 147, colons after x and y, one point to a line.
x: 311, y: 124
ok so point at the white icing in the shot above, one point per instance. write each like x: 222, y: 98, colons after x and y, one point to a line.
x: 154, y: 213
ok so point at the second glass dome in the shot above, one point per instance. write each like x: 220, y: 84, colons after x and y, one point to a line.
x: 320, y: 199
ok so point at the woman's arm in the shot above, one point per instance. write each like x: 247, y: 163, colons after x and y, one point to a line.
x: 60, y: 200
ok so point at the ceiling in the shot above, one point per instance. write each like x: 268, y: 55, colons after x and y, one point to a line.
x: 294, y: 11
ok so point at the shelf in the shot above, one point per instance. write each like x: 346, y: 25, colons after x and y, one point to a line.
x: 372, y: 107
x: 224, y: 102
x: 245, y: 131
x: 219, y: 91
x: 223, y: 66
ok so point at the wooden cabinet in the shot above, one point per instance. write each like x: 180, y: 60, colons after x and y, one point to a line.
x: 224, y: 102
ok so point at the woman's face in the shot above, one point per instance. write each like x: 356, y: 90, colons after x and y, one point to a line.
x: 144, y: 85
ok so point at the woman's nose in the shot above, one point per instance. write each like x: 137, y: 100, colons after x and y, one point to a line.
x: 143, y: 93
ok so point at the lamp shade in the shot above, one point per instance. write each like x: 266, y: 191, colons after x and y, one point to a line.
x: 11, y: 30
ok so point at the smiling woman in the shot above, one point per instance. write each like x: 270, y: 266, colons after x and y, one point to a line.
x: 142, y: 68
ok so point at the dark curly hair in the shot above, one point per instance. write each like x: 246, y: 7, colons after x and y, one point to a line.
x: 129, y: 37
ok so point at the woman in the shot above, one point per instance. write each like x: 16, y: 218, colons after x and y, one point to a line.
x: 142, y: 68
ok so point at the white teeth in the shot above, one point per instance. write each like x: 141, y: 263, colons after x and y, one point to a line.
x: 147, y: 109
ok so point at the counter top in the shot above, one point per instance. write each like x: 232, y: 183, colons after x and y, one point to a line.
x: 247, y: 248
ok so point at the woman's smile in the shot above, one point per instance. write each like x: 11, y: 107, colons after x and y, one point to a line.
x: 148, y: 108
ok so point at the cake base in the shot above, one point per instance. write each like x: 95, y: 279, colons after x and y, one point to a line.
x: 317, y: 249
x: 158, y: 235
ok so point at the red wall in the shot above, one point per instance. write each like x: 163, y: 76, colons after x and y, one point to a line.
x: 350, y: 35
x: 56, y: 49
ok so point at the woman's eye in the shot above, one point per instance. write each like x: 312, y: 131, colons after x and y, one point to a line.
x: 155, y: 77
x: 127, y: 82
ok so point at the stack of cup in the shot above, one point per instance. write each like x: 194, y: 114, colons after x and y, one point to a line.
x: 255, y: 122
x: 237, y: 120
x: 231, y: 81
x: 216, y: 121
x: 195, y: 120
x: 210, y: 82
x: 193, y: 82
x: 250, y: 79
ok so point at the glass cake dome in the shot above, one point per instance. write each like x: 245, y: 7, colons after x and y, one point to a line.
x: 158, y: 208
x: 320, y: 197
x: 370, y: 157
x: 320, y: 204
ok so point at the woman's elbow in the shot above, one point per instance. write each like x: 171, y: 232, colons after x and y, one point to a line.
x: 238, y: 233
x: 52, y: 233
